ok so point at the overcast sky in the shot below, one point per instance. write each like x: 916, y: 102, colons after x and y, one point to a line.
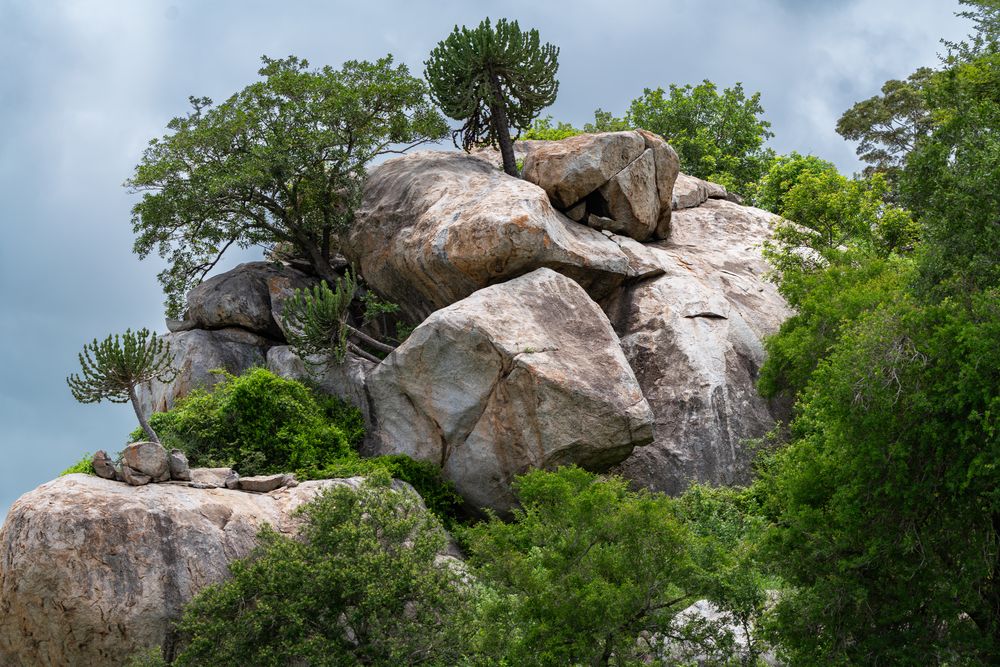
x: 84, y: 86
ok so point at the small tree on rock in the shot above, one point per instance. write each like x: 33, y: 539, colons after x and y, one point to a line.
x: 493, y: 79
x: 316, y: 323
x: 280, y: 162
x: 114, y: 367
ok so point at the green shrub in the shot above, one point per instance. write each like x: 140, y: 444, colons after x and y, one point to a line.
x: 439, y: 494
x: 259, y: 423
x: 361, y: 585
x: 84, y: 465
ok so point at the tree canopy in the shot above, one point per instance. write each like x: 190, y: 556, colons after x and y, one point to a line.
x: 719, y: 136
x: 114, y: 367
x: 493, y: 79
x: 283, y: 160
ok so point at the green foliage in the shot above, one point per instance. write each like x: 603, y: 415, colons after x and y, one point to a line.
x: 585, y: 566
x: 360, y: 586
x: 84, y: 465
x: 888, y: 126
x: 258, y: 423
x: 315, y: 320
x: 951, y: 180
x: 886, y: 501
x: 439, y: 495
x: 493, y: 78
x: 152, y: 657
x: 544, y: 129
x: 826, y: 301
x: 114, y: 367
x: 376, y: 307
x: 718, y: 136
x: 281, y: 161
x: 784, y: 174
x: 604, y: 121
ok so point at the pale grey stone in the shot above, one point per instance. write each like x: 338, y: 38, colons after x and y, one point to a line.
x: 179, y: 468
x: 147, y: 458
x: 525, y: 374
x: 434, y: 227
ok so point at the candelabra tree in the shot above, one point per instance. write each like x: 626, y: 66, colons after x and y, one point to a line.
x: 113, y: 368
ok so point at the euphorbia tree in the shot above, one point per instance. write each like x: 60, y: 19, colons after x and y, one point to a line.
x: 114, y: 367
x: 493, y: 79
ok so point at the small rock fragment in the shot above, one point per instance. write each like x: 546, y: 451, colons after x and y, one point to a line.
x: 134, y: 477
x: 179, y: 468
x: 103, y: 465
x: 232, y: 481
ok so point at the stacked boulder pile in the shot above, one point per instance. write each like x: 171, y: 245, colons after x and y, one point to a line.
x: 149, y: 462
x: 605, y: 311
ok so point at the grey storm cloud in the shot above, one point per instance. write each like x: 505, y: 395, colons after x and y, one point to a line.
x: 84, y: 85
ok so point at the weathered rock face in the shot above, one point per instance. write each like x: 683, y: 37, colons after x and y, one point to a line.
x: 92, y: 570
x: 435, y: 227
x: 346, y: 381
x: 618, y: 181
x: 689, y: 192
x: 249, y: 297
x: 525, y: 374
x: 693, y: 337
x: 195, y: 353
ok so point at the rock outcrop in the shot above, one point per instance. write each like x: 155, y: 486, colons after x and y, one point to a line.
x: 434, y: 227
x: 196, y: 353
x: 525, y: 374
x: 618, y: 181
x: 250, y: 297
x: 93, y: 570
x: 693, y: 337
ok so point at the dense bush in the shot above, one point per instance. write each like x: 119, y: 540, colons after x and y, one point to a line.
x: 258, y: 423
x: 84, y: 465
x: 362, y: 585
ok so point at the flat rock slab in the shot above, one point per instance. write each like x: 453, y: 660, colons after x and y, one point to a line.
x: 525, y: 374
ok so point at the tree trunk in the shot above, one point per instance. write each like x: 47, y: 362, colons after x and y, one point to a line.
x: 501, y: 128
x: 150, y: 433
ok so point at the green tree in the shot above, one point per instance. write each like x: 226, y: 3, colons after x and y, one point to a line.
x: 363, y: 584
x: 114, y: 367
x: 546, y: 129
x: 493, y: 79
x: 888, y: 126
x: 604, y: 121
x: 584, y: 567
x: 784, y: 174
x: 718, y: 136
x: 281, y: 161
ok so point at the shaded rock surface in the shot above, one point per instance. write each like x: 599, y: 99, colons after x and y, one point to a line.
x: 693, y: 336
x: 525, y: 374
x: 195, y: 354
x: 92, y: 570
x: 434, y: 227
x: 249, y: 296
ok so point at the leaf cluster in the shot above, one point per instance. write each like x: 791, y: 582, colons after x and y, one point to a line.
x: 281, y: 161
x: 113, y: 368
x: 363, y: 584
x: 477, y: 74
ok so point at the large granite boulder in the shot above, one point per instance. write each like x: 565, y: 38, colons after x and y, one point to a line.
x: 525, y: 374
x: 618, y: 181
x: 693, y: 337
x: 249, y: 296
x: 196, y: 353
x: 689, y: 192
x: 93, y: 570
x: 434, y: 227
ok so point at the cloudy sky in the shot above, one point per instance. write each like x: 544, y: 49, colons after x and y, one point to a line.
x: 84, y: 85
